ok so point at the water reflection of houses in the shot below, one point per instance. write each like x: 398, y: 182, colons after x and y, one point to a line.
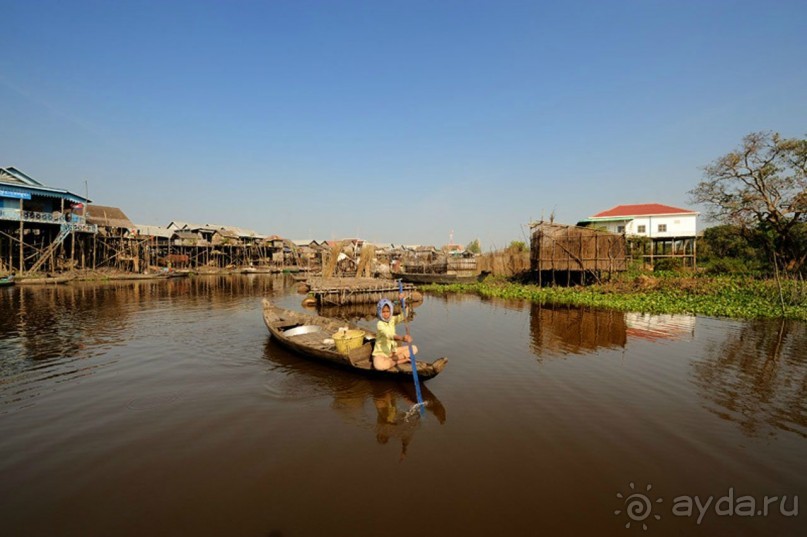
x: 562, y: 330
x: 659, y: 327
x: 574, y: 330
x: 757, y: 377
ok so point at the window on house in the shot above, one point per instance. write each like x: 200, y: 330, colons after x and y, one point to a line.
x: 662, y: 228
x: 620, y: 229
x: 641, y: 229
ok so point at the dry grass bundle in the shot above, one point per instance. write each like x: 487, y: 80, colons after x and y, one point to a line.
x: 504, y: 263
x: 333, y: 259
x: 366, y: 257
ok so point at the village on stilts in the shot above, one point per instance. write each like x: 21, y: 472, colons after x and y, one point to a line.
x: 51, y: 235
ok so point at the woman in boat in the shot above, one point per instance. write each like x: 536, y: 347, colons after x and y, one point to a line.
x: 386, y: 353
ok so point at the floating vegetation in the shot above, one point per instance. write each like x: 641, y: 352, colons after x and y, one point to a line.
x: 723, y: 296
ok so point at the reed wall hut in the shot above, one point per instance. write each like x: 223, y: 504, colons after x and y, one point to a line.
x: 567, y: 255
x: 423, y: 260
x: 308, y: 253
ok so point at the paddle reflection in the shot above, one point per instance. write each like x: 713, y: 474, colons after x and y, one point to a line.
x: 391, y: 417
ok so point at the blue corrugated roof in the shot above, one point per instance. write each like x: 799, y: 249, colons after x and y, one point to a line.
x: 17, y: 174
x: 28, y: 185
x: 44, y: 191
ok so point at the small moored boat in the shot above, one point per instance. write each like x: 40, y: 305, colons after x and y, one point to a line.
x: 313, y: 336
x: 7, y: 280
x: 439, y: 278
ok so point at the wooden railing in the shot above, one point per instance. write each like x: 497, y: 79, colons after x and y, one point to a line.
x: 78, y: 223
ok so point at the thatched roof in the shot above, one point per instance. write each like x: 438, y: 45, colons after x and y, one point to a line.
x: 108, y: 217
x: 243, y: 233
x: 187, y: 235
x: 154, y: 231
x: 229, y: 233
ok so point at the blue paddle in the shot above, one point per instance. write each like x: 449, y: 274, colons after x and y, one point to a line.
x: 411, y: 352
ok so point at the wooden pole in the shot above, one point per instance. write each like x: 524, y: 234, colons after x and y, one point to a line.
x: 568, y: 261
x: 22, y: 261
x: 72, y: 243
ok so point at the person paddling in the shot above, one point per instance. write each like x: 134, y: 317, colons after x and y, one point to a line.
x: 386, y: 353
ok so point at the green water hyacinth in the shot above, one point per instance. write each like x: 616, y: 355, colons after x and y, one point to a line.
x: 729, y: 296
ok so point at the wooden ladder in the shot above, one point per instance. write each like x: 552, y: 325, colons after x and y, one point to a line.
x: 66, y: 229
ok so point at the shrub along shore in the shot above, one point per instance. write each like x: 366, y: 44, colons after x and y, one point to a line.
x: 718, y: 296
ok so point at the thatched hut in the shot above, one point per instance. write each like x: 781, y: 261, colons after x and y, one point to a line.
x: 112, y: 246
x: 110, y: 220
x: 572, y: 254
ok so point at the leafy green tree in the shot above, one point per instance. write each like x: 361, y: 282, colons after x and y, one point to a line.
x: 474, y: 247
x: 727, y: 241
x: 761, y: 188
x: 517, y: 246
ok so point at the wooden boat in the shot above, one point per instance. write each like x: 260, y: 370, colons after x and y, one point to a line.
x: 258, y: 270
x: 5, y: 281
x: 25, y: 280
x: 183, y: 273
x: 311, y: 335
x: 443, y: 278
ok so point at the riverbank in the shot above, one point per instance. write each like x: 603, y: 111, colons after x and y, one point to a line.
x: 716, y: 296
x: 103, y: 275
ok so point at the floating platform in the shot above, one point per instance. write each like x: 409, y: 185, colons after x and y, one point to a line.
x: 341, y: 291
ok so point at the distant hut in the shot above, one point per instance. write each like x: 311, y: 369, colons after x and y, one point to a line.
x: 111, y: 221
x: 307, y: 252
x: 424, y: 259
x: 113, y: 248
x: 155, y: 242
x: 571, y: 254
x: 188, y: 238
x: 226, y: 237
x: 279, y: 252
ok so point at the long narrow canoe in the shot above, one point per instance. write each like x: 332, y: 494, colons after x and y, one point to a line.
x: 312, y: 336
x: 427, y: 278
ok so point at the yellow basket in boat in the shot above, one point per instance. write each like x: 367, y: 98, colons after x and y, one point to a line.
x: 347, y: 340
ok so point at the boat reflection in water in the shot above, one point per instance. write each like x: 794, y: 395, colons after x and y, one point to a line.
x: 392, y: 417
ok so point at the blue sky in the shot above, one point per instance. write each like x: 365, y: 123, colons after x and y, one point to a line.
x: 395, y: 121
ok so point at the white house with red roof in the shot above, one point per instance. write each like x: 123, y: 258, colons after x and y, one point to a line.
x: 652, y: 220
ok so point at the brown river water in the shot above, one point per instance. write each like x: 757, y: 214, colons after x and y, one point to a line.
x: 163, y: 408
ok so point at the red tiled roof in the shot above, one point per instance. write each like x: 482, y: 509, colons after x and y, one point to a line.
x: 643, y: 209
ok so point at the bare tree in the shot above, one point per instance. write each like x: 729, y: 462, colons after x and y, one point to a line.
x: 762, y: 188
